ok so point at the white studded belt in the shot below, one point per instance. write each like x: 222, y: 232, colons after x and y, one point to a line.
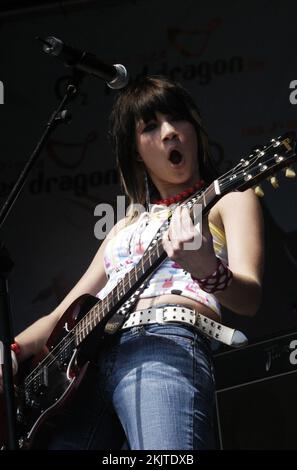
x: 179, y: 314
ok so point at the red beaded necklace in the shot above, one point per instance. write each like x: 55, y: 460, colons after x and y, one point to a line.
x: 180, y: 196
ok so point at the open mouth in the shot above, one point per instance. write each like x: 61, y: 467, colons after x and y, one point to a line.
x: 175, y: 157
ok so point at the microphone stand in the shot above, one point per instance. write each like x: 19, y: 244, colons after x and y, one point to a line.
x: 60, y: 115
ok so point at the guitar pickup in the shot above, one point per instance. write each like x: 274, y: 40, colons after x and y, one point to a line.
x: 45, y: 376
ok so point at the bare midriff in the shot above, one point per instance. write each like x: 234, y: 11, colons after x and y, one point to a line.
x: 179, y: 300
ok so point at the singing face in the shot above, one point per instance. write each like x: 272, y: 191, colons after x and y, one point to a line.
x: 168, y: 147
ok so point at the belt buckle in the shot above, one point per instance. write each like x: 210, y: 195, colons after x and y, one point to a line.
x: 160, y: 315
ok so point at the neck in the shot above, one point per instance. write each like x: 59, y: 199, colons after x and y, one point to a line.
x: 180, y: 195
x: 171, y: 189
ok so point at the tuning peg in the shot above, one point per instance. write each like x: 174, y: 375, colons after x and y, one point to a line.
x: 274, y: 182
x: 259, y: 191
x: 289, y: 172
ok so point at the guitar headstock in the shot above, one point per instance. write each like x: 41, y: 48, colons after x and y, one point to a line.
x: 262, y: 164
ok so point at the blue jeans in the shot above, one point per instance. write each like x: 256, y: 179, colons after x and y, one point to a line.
x: 153, y: 385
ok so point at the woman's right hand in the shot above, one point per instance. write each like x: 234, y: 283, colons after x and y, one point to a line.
x: 15, y: 367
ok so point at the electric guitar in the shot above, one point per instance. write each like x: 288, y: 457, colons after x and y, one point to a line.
x: 46, y: 382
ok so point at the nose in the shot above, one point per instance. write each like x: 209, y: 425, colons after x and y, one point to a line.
x: 168, y: 131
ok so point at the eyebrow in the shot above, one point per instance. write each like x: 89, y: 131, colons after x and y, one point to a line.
x: 142, y: 122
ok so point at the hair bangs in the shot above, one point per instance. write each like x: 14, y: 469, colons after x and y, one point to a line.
x: 158, y: 99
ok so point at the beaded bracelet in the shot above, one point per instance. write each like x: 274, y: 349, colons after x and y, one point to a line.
x: 15, y: 347
x: 219, y: 280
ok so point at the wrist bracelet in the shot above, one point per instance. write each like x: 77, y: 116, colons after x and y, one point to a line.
x: 219, y: 280
x: 15, y: 347
x: 15, y: 364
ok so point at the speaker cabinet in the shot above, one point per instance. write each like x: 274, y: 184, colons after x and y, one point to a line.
x: 255, y: 412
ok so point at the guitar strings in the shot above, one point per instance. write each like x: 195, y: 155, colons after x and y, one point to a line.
x: 70, y: 337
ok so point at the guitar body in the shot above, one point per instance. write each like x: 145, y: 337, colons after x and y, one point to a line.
x: 41, y: 394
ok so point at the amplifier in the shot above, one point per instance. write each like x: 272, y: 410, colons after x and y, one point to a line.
x: 256, y: 390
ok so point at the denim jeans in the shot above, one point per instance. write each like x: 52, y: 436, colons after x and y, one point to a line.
x: 153, y: 386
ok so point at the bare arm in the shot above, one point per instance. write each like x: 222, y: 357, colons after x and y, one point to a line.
x: 241, y: 216
x: 243, y: 222
x: 33, y: 338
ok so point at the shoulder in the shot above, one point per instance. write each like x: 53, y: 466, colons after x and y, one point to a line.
x: 98, y: 258
x: 241, y: 216
x: 239, y: 198
x: 236, y: 206
x: 120, y: 225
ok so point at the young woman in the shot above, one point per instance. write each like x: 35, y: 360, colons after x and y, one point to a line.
x: 153, y: 382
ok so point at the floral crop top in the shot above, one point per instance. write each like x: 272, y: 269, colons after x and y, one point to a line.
x: 126, y: 248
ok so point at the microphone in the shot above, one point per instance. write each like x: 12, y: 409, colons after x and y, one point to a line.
x: 116, y: 76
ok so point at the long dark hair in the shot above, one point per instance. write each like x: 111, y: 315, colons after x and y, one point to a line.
x: 141, y: 99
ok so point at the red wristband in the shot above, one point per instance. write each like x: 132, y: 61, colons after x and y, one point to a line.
x: 16, y: 348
